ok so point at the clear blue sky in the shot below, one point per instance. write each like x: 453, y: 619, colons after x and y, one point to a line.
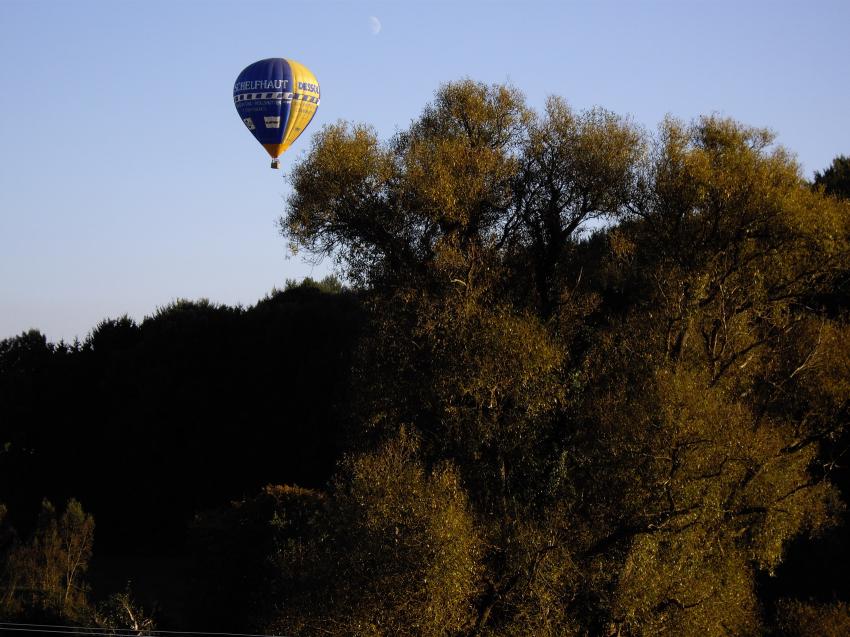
x: 127, y: 179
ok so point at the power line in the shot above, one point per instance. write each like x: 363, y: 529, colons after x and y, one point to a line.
x: 98, y: 631
x: 43, y: 631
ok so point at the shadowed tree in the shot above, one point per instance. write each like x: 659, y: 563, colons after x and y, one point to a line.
x: 798, y: 619
x: 45, y: 577
x: 835, y: 180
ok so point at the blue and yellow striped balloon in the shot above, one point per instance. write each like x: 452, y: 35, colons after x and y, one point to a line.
x: 276, y: 99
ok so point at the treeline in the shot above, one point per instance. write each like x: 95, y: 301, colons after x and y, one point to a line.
x: 592, y: 381
x: 148, y: 424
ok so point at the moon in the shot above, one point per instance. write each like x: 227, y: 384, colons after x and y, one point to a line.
x: 374, y: 25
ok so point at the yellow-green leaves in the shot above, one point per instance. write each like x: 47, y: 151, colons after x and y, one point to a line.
x: 614, y: 431
x: 394, y: 552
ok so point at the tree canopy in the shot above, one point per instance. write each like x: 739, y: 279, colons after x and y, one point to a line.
x: 587, y: 379
x: 614, y: 338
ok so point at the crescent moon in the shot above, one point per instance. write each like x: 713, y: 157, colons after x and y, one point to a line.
x: 374, y: 25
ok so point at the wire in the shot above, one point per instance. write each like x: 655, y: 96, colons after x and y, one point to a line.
x: 42, y: 631
x: 112, y: 632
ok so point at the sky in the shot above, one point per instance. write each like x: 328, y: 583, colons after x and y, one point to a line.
x: 127, y: 180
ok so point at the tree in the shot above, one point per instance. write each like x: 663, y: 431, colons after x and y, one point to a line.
x: 634, y: 418
x: 391, y: 550
x: 835, y: 180
x: 46, y: 575
x: 710, y: 396
x: 120, y: 614
x: 8, y: 577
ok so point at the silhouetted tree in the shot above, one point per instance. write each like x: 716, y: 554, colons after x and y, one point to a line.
x: 835, y: 180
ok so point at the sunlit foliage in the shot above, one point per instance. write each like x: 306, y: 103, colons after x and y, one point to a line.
x: 635, y: 416
x: 588, y: 379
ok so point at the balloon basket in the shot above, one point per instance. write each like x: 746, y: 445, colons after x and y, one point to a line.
x: 275, y: 163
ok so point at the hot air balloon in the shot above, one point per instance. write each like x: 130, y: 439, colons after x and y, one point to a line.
x: 276, y: 99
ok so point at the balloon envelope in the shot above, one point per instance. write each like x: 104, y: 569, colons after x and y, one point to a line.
x: 276, y: 99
